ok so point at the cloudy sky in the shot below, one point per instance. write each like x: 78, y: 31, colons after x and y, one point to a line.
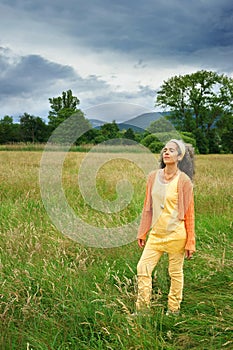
x: 106, y: 51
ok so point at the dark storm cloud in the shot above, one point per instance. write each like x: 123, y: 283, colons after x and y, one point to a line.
x: 148, y: 27
x: 33, y: 78
x: 172, y: 30
x: 132, y: 24
x: 30, y: 73
x: 150, y: 34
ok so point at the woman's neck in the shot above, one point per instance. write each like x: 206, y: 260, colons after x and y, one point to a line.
x: 169, y: 172
x: 171, y: 169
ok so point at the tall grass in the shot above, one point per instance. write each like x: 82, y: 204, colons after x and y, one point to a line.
x: 39, y: 147
x: 57, y: 294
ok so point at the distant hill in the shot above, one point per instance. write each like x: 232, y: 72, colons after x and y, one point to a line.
x: 126, y: 126
x: 138, y: 124
x: 96, y: 123
x: 144, y: 120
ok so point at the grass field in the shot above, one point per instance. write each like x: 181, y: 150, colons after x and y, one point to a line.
x: 56, y: 294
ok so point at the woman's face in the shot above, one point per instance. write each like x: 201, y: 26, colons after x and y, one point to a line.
x: 170, y: 153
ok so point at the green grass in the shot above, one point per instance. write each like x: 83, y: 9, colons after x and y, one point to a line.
x: 57, y: 294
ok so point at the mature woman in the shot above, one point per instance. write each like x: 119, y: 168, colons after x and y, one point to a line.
x: 168, y: 216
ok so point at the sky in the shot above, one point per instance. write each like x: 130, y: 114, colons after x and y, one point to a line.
x: 108, y: 52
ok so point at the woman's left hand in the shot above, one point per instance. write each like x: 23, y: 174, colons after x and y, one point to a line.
x: 189, y: 254
x: 141, y: 242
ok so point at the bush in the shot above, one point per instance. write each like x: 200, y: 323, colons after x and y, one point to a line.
x: 156, y: 146
x: 149, y: 139
x: 99, y: 139
x: 153, y: 143
x: 189, y: 139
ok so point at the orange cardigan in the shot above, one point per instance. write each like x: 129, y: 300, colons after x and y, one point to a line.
x: 185, y: 208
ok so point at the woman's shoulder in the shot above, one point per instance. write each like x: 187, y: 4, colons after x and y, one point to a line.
x: 151, y: 177
x: 184, y: 178
x: 183, y: 175
x: 152, y: 174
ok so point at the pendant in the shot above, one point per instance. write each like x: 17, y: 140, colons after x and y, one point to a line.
x: 161, y: 206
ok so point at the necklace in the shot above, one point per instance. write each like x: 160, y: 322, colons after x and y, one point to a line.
x: 168, y: 178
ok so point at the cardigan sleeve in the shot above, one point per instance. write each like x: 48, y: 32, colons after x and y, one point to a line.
x: 146, y: 217
x: 189, y: 226
x: 189, y: 219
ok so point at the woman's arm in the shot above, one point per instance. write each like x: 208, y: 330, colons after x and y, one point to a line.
x: 189, y: 221
x: 146, y: 217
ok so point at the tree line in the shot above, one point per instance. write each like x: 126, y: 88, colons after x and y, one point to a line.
x: 198, y: 106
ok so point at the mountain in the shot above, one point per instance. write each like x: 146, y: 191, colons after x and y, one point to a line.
x: 144, y: 120
x: 96, y: 123
x: 126, y: 126
x: 138, y: 124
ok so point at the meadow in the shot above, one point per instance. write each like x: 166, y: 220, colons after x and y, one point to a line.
x: 57, y: 294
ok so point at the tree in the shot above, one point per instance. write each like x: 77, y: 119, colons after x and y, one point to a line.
x: 225, y: 131
x: 129, y: 134
x: 188, y: 138
x: 9, y: 132
x: 109, y: 130
x: 62, y: 107
x: 227, y: 141
x: 202, y: 142
x: 89, y: 137
x: 197, y: 101
x: 33, y: 129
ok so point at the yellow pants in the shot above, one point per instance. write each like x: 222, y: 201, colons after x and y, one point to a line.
x: 145, y: 267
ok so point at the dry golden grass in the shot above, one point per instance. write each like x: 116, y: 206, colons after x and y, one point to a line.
x: 214, y: 184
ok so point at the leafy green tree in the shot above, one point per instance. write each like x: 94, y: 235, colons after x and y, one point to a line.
x: 89, y: 137
x: 139, y: 136
x: 197, y: 101
x: 227, y: 141
x: 225, y: 130
x: 202, y: 142
x: 129, y: 134
x: 214, y: 141
x: 9, y: 132
x: 33, y: 129
x: 99, y: 139
x: 109, y: 130
x: 62, y: 107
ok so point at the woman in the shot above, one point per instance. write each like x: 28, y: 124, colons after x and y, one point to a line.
x: 168, y: 213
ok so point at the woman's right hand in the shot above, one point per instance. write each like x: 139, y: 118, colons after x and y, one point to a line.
x: 141, y: 242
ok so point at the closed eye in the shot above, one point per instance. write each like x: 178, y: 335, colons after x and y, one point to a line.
x: 170, y: 149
